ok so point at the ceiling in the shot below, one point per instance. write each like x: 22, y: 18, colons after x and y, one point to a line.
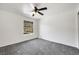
x: 26, y: 8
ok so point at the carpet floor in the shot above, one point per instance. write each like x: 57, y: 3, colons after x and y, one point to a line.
x: 38, y: 47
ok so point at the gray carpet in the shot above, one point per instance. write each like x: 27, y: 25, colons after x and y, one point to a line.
x: 38, y: 47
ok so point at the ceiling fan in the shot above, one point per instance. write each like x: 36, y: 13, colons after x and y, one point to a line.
x: 36, y: 10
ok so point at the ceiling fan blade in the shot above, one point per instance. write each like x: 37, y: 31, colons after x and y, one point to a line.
x: 36, y: 9
x: 40, y: 13
x: 45, y: 8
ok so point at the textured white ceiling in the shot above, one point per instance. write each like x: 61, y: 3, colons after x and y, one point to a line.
x: 26, y: 8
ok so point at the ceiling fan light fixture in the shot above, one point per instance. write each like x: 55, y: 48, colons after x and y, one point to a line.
x: 34, y: 13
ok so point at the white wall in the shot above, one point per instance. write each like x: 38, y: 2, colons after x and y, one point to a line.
x: 11, y: 28
x: 59, y: 25
x: 78, y: 23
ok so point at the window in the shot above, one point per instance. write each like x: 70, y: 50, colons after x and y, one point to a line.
x: 28, y: 27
